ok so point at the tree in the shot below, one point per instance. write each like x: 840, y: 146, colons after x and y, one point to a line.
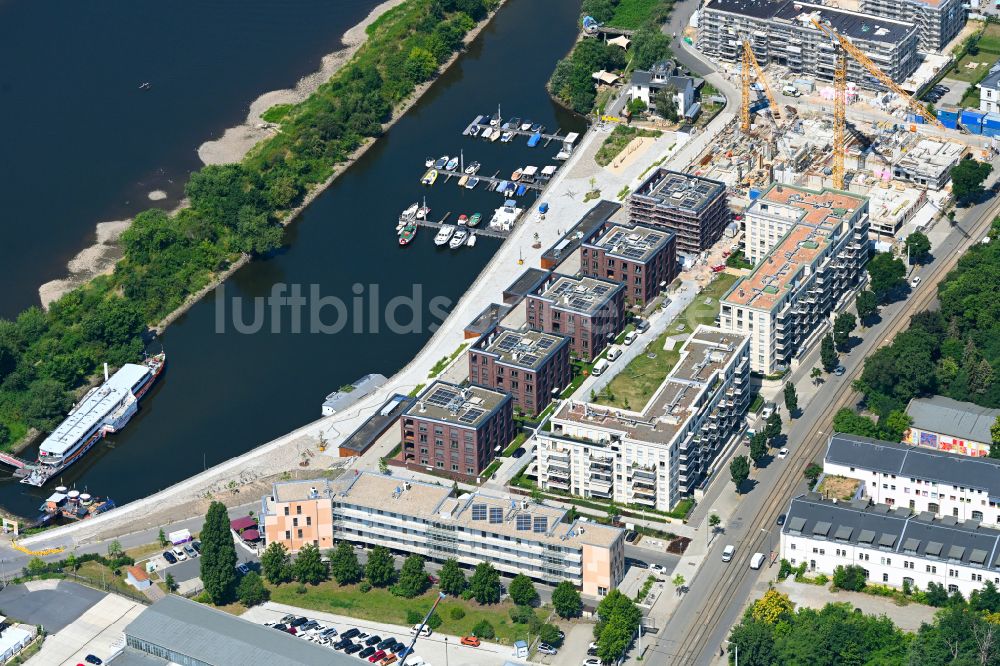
x: 614, y: 640
x: 383, y: 466
x: 867, y: 305
x: 344, y: 564
x: 566, y: 600
x: 255, y: 234
x: 772, y: 607
x: 918, y: 246
x: 420, y: 65
x: 714, y: 521
x: 380, y: 569
x: 967, y: 179
x: 218, y: 555
x: 936, y: 595
x: 483, y: 629
x: 791, y: 399
x: 852, y: 577
x: 309, y: 566
x: 413, y: 579
x: 758, y: 448
x: 45, y: 404
x: 251, y: 590
x: 739, y: 470
x: 828, y: 354
x: 522, y: 591
x: 162, y: 538
x: 894, y: 425
x: 755, y: 643
x: 550, y: 634
x: 649, y: 46
x: 485, y: 584
x: 678, y: 582
x: 772, y: 428
x: 170, y: 582
x: 816, y: 375
x: 986, y: 599
x: 635, y: 106
x: 812, y: 472
x: 115, y: 550
x: 886, y: 274
x: 451, y: 580
x: 846, y: 420
x: 665, y: 101
x: 276, y: 563
x: 843, y: 326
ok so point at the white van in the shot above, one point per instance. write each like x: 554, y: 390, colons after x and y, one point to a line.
x: 728, y: 552
x: 790, y: 90
x: 757, y: 561
x: 614, y: 353
x: 600, y: 367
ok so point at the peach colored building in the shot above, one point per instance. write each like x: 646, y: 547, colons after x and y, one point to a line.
x: 514, y: 535
x: 298, y: 513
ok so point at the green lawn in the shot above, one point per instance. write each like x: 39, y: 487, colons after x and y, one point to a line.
x: 632, y: 13
x: 971, y: 98
x: 636, y: 384
x: 990, y: 41
x: 380, y: 605
x: 102, y: 575
x: 615, y: 142
x: 971, y: 74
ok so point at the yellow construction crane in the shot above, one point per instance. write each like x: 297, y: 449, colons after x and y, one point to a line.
x: 750, y: 60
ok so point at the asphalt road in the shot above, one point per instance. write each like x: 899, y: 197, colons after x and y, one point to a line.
x: 719, y: 592
x: 52, y: 608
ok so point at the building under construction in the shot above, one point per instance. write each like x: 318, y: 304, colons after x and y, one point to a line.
x: 694, y: 208
x: 783, y: 32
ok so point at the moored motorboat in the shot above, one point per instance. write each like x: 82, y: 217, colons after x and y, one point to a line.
x: 516, y: 176
x: 537, y: 127
x: 458, y: 240
x: 423, y: 211
x: 475, y: 219
x: 474, y: 131
x: 407, y: 233
x: 507, y: 136
x: 496, y: 135
x: 440, y: 162
x: 452, y: 163
x: 429, y: 162
x: 444, y: 234
x: 462, y: 181
x: 534, y: 139
x: 521, y: 189
x: 473, y: 168
x: 411, y: 211
x: 526, y: 125
x: 429, y: 177
x: 512, y: 124
x: 472, y: 239
x: 463, y: 220
x: 471, y: 185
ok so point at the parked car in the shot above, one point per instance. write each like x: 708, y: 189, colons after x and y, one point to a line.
x: 179, y: 553
x: 387, y: 659
x: 839, y: 370
x: 402, y: 654
x: 545, y: 648
x: 242, y: 568
x: 613, y: 353
x: 638, y: 564
x: 377, y: 656
x: 350, y: 633
x: 169, y: 557
x: 422, y: 630
x: 292, y: 630
x: 781, y: 520
x: 386, y: 643
x: 592, y: 661
x: 280, y: 626
x: 658, y: 569
x: 298, y: 622
x: 630, y: 337
x: 631, y: 536
x: 471, y: 641
x: 341, y: 644
x: 362, y: 636
x: 641, y: 325
x: 91, y: 659
x: 915, y: 281
x: 288, y: 618
x: 432, y: 579
x: 518, y: 452
x: 372, y: 640
x: 352, y: 648
x: 757, y: 561
x: 769, y: 408
x: 719, y: 268
x: 783, y: 453
x: 366, y: 652
x: 197, y: 546
x: 190, y: 551
x: 728, y: 552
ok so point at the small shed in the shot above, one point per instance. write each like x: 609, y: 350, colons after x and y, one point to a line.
x: 137, y: 578
x: 520, y: 649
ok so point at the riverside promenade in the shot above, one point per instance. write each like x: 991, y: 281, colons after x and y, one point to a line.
x: 565, y: 197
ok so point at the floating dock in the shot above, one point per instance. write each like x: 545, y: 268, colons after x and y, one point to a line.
x: 480, y: 122
x: 493, y: 180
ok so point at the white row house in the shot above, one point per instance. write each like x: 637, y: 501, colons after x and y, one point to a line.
x: 893, y: 546
x: 919, y: 479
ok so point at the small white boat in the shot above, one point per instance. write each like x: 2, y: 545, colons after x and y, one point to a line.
x: 475, y: 130
x: 471, y: 185
x: 444, y: 234
x: 526, y: 126
x: 429, y: 162
x: 452, y: 163
x: 473, y: 168
x: 422, y: 212
x: 471, y: 242
x: 507, y: 136
x: 440, y: 162
x: 458, y: 240
x: 411, y: 211
x: 496, y: 135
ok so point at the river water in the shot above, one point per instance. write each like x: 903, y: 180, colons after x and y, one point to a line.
x: 229, y: 387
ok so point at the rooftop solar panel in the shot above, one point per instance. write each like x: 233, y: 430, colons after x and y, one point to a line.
x: 523, y: 522
x: 541, y: 524
x: 496, y: 515
x: 471, y: 416
x: 479, y: 512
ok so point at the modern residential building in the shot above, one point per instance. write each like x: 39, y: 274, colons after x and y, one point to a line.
x: 645, y: 85
x: 818, y: 256
x: 591, y: 224
x: 295, y: 518
x: 642, y: 258
x: 653, y: 454
x: 514, y: 535
x: 175, y: 630
x: 455, y: 429
x: 950, y: 425
x: 693, y: 207
x: 989, y: 91
x: 893, y: 546
x: 530, y: 365
x: 781, y: 31
x: 589, y: 311
x: 895, y: 474
x: 937, y: 21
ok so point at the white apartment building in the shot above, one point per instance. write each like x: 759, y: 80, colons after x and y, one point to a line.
x: 664, y: 451
x: 919, y: 479
x: 893, y: 546
x: 989, y: 92
x: 809, y: 248
x: 409, y: 517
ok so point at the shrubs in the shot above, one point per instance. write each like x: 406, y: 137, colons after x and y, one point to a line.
x: 852, y: 577
x: 456, y: 613
x: 484, y: 629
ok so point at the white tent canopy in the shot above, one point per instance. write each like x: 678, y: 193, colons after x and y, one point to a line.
x: 607, y: 78
x: 620, y: 40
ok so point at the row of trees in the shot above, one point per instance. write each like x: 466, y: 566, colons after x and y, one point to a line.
x: 234, y: 210
x: 618, y: 621
x: 739, y: 466
x: 963, y: 632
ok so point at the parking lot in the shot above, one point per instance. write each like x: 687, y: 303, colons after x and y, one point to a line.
x: 97, y: 631
x: 50, y: 603
x: 436, y: 649
x: 186, y: 572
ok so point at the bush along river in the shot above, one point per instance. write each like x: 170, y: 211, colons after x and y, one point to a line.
x: 245, y: 366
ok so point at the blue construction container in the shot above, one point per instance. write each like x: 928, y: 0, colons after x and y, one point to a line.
x: 915, y: 118
x: 951, y: 114
x: 991, y: 131
x: 949, y: 122
x: 972, y: 120
x: 991, y: 120
x: 754, y: 194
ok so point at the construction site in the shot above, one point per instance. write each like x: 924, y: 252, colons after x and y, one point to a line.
x: 880, y: 143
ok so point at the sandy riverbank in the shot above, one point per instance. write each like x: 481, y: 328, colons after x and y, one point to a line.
x: 232, y: 146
